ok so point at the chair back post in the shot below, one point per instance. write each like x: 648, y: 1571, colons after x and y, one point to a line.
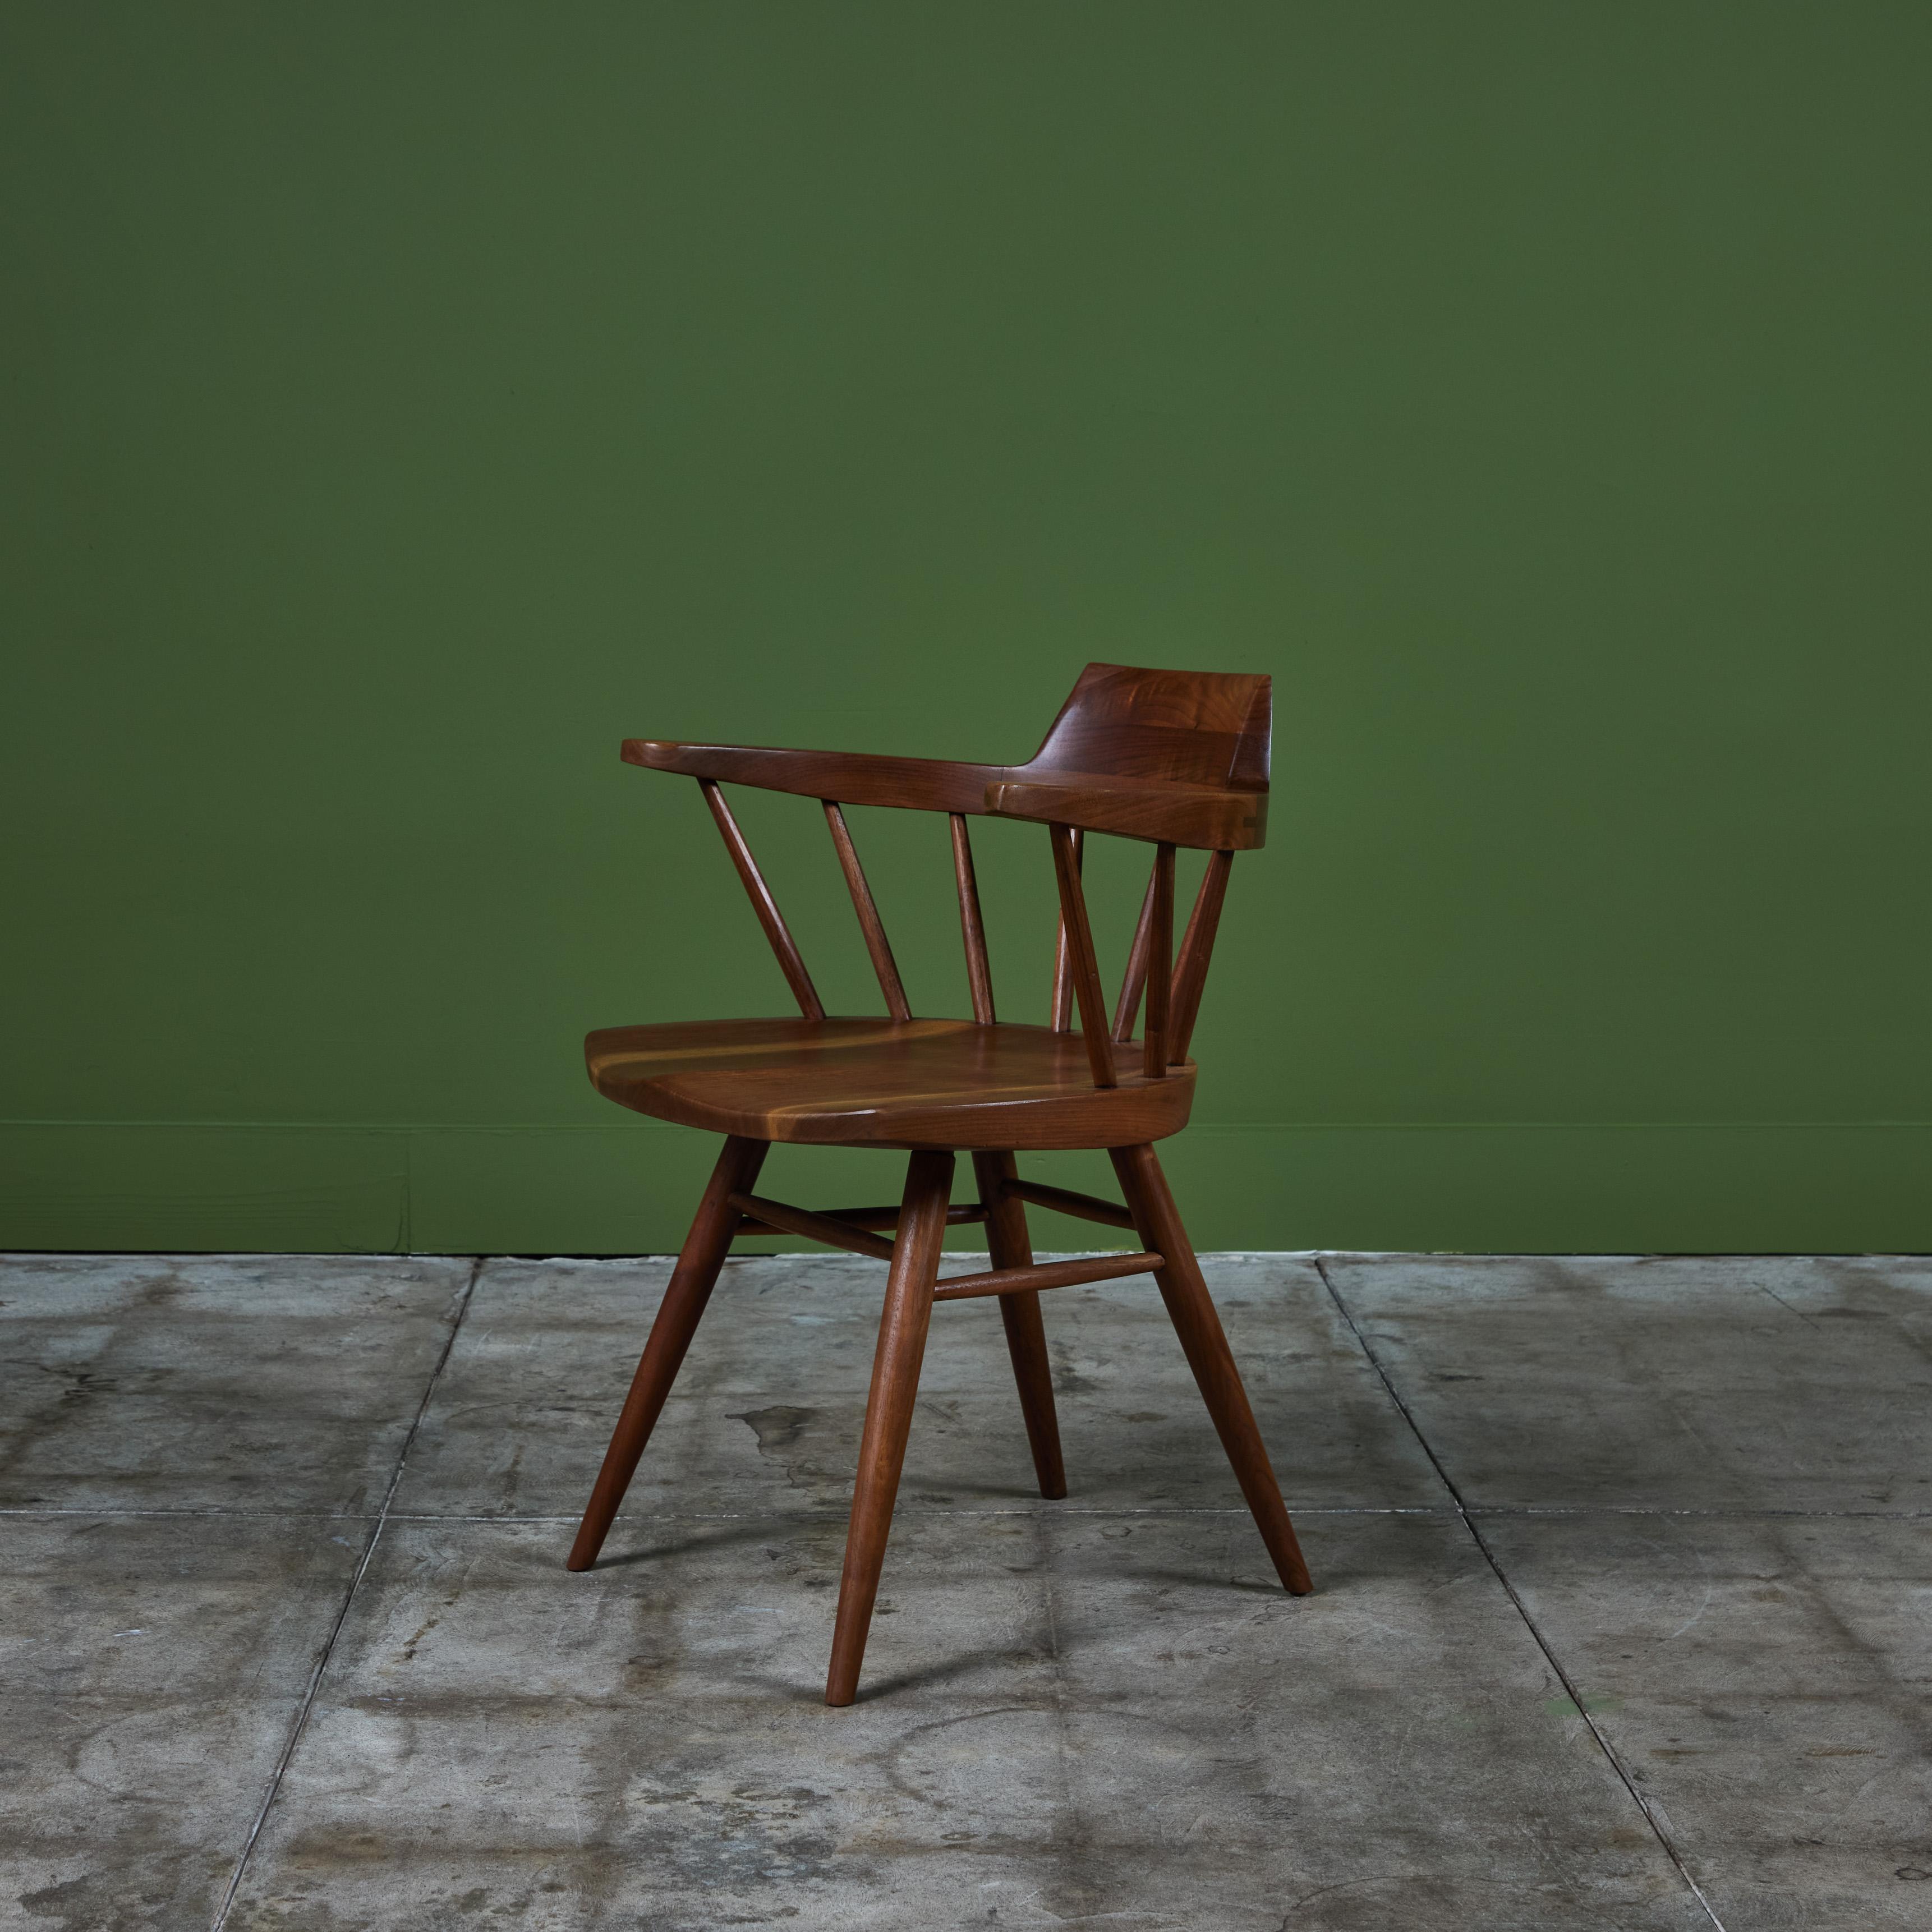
x: 791, y: 962
x: 1133, y: 981
x: 1081, y: 968
x: 1063, y: 958
x: 876, y: 944
x: 1197, y: 948
x: 1154, y: 1041
x: 972, y: 927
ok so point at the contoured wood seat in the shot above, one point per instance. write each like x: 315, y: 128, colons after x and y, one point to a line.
x: 1172, y: 758
x: 887, y: 1083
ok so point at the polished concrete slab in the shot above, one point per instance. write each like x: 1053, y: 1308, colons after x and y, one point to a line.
x: 1078, y: 1720
x: 151, y: 1670
x: 1769, y: 1683
x: 1690, y: 1494
x: 772, y: 1399
x: 1682, y: 1382
x: 236, y: 1382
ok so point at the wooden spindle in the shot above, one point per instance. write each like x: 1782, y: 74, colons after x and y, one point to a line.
x: 1160, y: 966
x: 1046, y: 1274
x: 1063, y: 981
x: 826, y: 1227
x: 1080, y: 966
x: 790, y: 961
x: 1067, y: 1200
x: 972, y: 927
x: 1126, y: 1008
x: 870, y: 924
x: 1196, y: 948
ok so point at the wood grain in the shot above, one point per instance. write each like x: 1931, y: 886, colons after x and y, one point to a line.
x: 895, y: 1366
x: 1062, y: 1006
x: 870, y: 1218
x: 685, y: 1298
x: 826, y: 1228
x: 1192, y: 1310
x: 1176, y: 758
x: 1046, y: 1274
x: 1179, y: 815
x: 972, y: 927
x: 1127, y: 729
x: 1197, y: 948
x: 919, y: 784
x: 869, y: 1082
x: 1191, y: 726
x: 1155, y: 1038
x: 1081, y: 968
x: 791, y: 962
x: 1066, y: 1200
x: 1133, y: 981
x: 1010, y: 1247
x: 873, y: 928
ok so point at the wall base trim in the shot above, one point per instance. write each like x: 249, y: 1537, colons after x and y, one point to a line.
x: 629, y: 1187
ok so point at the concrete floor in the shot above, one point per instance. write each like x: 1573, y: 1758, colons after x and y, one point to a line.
x: 289, y: 1643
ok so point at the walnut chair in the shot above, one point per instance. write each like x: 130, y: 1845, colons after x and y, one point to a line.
x: 1170, y: 758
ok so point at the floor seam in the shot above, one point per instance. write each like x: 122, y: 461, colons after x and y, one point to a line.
x: 189, y: 1509
x: 1572, y: 1689
x: 36, y: 1511
x: 301, y: 1724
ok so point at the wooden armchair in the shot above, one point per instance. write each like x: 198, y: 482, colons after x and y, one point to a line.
x: 1171, y: 758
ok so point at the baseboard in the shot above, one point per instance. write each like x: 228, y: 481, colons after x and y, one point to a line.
x: 629, y: 1187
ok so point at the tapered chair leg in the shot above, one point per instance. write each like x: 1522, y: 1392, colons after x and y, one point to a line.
x: 902, y: 1327
x: 691, y: 1282
x: 1009, y: 1247
x: 1191, y: 1311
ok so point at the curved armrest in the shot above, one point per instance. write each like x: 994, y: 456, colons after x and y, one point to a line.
x: 851, y: 777
x: 1151, y: 808
x: 1163, y: 813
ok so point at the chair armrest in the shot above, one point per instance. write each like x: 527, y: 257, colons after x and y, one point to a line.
x: 1155, y: 810
x: 851, y: 777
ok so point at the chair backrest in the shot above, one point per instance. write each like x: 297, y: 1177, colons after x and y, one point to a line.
x: 1158, y: 736
x: 1189, y: 727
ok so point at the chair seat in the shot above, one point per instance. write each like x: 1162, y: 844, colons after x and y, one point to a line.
x: 885, y: 1083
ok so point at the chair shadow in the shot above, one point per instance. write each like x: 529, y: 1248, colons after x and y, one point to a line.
x: 940, y: 1670
x: 705, y: 1536
x: 1209, y: 1579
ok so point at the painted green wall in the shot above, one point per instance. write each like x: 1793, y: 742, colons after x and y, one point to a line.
x: 403, y: 402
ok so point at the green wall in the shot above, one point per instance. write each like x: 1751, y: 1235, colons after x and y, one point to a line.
x: 404, y: 402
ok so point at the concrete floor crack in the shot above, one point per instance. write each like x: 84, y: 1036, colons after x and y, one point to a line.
x: 1571, y: 1689
x: 307, y: 1704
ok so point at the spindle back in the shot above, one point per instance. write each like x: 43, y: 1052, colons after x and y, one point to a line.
x: 1172, y: 758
